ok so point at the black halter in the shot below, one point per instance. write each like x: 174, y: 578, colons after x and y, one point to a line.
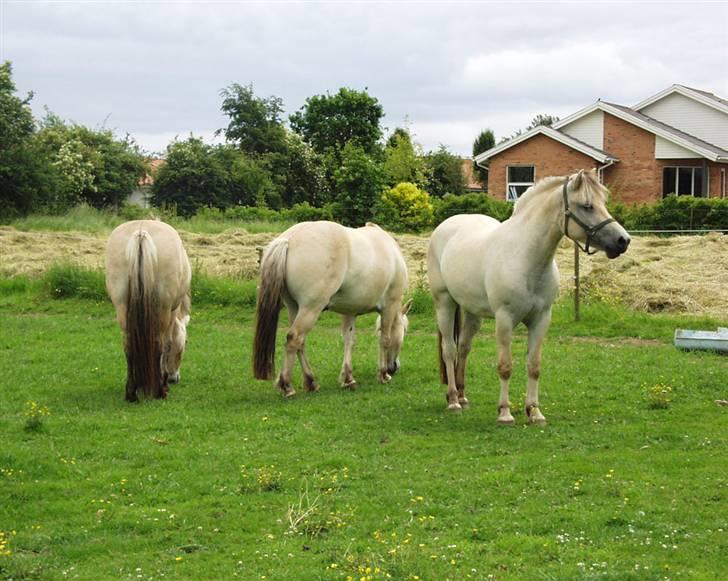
x: 590, y: 231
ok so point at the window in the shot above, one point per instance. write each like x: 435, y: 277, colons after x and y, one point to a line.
x: 722, y: 183
x: 520, y: 178
x: 683, y: 181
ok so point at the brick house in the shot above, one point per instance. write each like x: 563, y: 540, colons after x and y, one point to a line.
x: 673, y: 142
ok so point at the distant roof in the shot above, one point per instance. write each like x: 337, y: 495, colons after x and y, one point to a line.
x: 154, y: 164
x: 471, y: 180
x: 699, y: 95
x: 559, y: 136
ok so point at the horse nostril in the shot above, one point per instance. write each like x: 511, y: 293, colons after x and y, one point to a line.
x: 623, y: 242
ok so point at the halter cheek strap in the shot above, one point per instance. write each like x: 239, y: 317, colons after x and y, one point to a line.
x: 590, y: 231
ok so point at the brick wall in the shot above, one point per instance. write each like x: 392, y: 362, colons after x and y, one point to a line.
x: 549, y: 157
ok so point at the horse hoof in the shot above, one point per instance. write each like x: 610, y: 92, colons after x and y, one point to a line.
x: 537, y: 421
x: 311, y: 385
x: 350, y: 385
x: 385, y: 378
x: 455, y: 407
x: 174, y: 378
x: 290, y: 392
x: 506, y: 421
x: 464, y: 402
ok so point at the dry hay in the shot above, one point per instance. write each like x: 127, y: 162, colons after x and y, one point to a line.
x: 685, y: 274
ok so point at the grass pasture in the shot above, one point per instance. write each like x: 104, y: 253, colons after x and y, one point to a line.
x: 226, y: 479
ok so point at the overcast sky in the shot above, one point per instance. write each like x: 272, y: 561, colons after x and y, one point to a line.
x: 448, y: 69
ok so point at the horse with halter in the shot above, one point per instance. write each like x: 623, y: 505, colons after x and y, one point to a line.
x: 479, y: 267
x: 148, y: 279
x: 317, y: 266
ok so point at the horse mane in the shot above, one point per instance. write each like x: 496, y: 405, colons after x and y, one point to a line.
x: 589, y: 189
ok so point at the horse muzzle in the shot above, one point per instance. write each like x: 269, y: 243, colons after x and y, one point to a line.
x: 617, y: 247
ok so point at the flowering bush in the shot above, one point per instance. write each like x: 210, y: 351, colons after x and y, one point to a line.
x: 405, y: 208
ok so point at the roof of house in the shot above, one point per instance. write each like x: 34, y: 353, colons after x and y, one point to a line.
x: 631, y: 115
x: 704, y: 97
x: 554, y: 134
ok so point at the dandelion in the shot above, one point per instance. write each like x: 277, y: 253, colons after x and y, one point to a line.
x: 35, y: 414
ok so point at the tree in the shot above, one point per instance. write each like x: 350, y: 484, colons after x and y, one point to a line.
x: 92, y: 166
x: 402, y: 160
x: 358, y: 185
x: 541, y: 119
x: 484, y: 142
x: 255, y: 123
x: 446, y: 173
x: 21, y: 172
x: 193, y: 176
x: 304, y: 174
x: 329, y: 122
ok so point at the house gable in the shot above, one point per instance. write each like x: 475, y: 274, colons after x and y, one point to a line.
x: 589, y: 129
x: 694, y: 117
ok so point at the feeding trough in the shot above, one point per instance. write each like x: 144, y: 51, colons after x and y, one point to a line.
x: 703, y: 340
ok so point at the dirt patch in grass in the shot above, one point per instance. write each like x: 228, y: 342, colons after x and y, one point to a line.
x: 685, y: 274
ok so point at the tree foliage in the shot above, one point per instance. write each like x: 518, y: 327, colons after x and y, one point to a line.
x: 330, y: 122
x: 403, y: 160
x: 484, y: 142
x: 20, y: 172
x: 255, y: 124
x: 358, y: 185
x: 445, y: 173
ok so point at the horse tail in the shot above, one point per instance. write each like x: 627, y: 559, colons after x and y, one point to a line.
x: 457, y: 323
x: 272, y: 283
x: 143, y: 318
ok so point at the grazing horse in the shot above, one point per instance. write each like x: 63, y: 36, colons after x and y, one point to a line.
x: 317, y: 266
x: 148, y: 279
x: 479, y: 267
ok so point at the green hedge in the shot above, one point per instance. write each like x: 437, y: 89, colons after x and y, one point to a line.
x: 674, y: 213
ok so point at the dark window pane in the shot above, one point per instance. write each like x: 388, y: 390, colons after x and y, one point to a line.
x: 521, y: 174
x: 684, y: 181
x: 698, y: 182
x: 668, y: 180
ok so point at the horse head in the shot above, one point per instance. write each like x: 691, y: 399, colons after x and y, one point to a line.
x: 586, y: 218
x: 396, y: 337
x: 172, y: 359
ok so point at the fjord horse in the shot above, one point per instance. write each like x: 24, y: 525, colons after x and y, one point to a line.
x: 148, y: 279
x: 317, y: 266
x: 479, y: 267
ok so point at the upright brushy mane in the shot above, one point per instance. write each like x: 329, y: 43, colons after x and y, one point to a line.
x: 590, y: 190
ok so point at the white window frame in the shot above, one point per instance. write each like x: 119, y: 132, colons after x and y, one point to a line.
x: 677, y: 168
x: 511, y: 194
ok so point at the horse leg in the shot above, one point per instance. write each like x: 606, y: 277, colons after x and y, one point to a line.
x: 446, y: 313
x: 295, y: 339
x: 471, y: 325
x: 385, y: 333
x: 346, y: 378
x: 504, y: 335
x: 536, y: 333
x: 309, y: 383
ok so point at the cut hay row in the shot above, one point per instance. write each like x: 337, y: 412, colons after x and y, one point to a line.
x: 682, y: 274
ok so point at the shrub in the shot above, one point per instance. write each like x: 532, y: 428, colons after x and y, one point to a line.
x: 405, y: 207
x: 451, y: 205
x: 674, y: 213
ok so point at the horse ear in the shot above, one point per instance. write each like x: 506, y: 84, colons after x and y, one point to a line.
x: 407, y: 306
x: 576, y: 182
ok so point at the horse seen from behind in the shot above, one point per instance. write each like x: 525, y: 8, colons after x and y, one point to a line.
x: 148, y: 279
x: 317, y: 266
x: 479, y: 267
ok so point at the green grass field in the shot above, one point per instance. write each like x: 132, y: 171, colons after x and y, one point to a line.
x: 226, y: 479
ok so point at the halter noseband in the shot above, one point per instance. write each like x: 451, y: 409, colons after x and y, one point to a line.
x: 590, y: 231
